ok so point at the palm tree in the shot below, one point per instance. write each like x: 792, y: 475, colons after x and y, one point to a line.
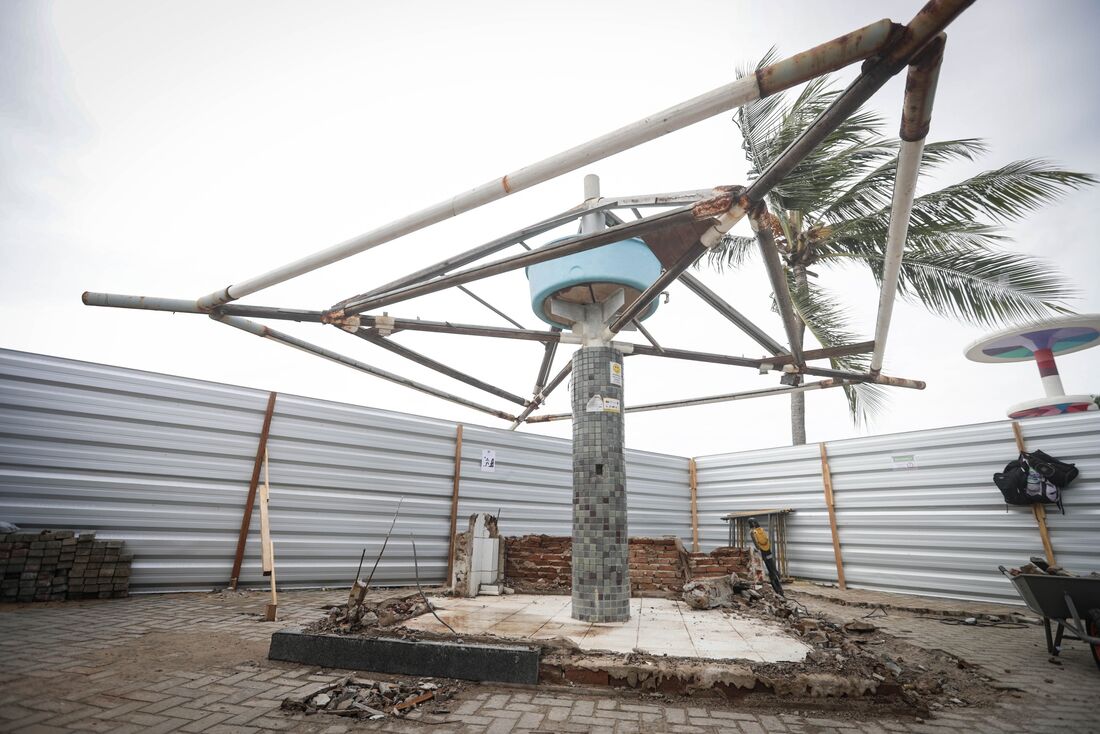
x: 832, y: 211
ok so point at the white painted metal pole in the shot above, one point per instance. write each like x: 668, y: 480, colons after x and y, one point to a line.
x: 687, y: 113
x: 784, y: 74
x: 593, y: 221
x: 905, y: 186
x: 828, y: 56
x: 916, y: 117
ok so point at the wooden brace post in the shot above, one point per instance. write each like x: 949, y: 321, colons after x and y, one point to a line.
x: 267, y: 549
x: 246, y: 518
x: 1037, y: 510
x: 454, y: 503
x: 827, y: 478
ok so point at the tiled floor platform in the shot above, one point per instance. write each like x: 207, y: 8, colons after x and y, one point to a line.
x: 656, y: 626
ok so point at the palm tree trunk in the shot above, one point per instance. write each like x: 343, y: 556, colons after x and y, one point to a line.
x: 798, y: 399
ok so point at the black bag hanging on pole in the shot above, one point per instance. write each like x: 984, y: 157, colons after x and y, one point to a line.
x: 1013, y: 482
x: 1022, y: 484
x: 1058, y: 473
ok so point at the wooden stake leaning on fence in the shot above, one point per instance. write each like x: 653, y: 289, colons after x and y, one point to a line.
x: 827, y: 478
x: 266, y: 562
x: 454, y: 505
x: 246, y: 518
x: 267, y: 549
x: 693, y: 480
x: 1037, y: 510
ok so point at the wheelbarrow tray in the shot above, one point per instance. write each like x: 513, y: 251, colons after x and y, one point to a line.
x: 1070, y: 601
x: 1046, y: 595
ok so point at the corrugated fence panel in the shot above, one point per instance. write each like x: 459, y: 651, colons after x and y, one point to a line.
x: 778, y: 478
x: 939, y: 528
x: 163, y: 463
x: 942, y: 528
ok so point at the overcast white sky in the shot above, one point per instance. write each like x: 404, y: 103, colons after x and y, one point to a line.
x: 172, y: 148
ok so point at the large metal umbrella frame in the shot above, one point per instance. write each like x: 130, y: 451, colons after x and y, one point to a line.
x: 687, y: 225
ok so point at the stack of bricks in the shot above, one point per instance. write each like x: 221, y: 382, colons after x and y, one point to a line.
x: 55, y: 565
x: 656, y: 565
x: 719, y: 562
x: 538, y: 563
x: 543, y: 563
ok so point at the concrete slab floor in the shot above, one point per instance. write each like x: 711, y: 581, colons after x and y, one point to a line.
x: 655, y: 627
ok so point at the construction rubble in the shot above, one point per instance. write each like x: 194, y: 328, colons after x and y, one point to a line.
x: 1039, y: 566
x: 364, y: 615
x: 370, y: 699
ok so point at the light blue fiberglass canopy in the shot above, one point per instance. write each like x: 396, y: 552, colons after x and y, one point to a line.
x: 592, y: 277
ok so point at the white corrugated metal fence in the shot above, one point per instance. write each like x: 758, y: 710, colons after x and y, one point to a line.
x: 916, y: 512
x: 163, y: 463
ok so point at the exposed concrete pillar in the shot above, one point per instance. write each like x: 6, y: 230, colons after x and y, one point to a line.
x: 601, y: 576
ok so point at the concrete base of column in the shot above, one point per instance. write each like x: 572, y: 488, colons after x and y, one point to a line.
x: 601, y: 576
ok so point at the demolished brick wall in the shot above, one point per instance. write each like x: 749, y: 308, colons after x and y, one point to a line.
x: 543, y: 563
x: 54, y: 565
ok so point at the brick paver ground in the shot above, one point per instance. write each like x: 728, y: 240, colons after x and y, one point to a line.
x: 196, y: 663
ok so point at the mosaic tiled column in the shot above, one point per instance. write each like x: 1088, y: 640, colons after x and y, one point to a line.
x: 601, y: 577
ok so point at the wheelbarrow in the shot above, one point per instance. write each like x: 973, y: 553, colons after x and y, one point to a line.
x: 1072, y: 602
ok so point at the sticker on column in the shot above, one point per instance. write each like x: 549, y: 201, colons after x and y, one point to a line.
x: 611, y: 405
x: 617, y: 373
x: 488, y: 460
x: 594, y: 405
x: 904, y: 461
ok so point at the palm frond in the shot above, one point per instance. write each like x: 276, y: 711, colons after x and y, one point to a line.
x: 874, y: 191
x: 867, y: 236
x: 984, y: 287
x: 1003, y: 194
x: 731, y: 252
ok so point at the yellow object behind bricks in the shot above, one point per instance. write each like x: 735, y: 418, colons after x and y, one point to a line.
x: 760, y: 539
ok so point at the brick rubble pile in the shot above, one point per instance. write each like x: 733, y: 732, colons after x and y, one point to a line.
x: 543, y: 563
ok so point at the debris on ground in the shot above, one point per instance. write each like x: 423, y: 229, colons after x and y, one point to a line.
x: 346, y: 618
x: 850, y: 659
x: 370, y: 699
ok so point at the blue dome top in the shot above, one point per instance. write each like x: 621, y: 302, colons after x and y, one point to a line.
x: 592, y: 276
